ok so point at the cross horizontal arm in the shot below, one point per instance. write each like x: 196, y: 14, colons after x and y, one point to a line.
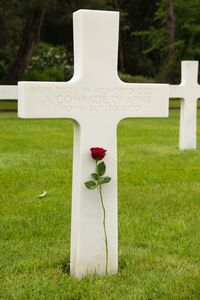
x: 8, y: 92
x: 189, y: 87
x: 76, y: 101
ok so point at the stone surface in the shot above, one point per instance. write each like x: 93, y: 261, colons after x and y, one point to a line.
x: 8, y: 92
x: 189, y: 90
x: 96, y: 99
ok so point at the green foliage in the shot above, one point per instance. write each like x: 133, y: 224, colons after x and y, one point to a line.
x: 3, y: 68
x: 11, y: 24
x: 143, y: 43
x: 135, y: 79
x: 187, y: 28
x: 187, y: 35
x: 98, y: 177
x: 95, y: 176
x: 49, y: 74
x: 155, y: 38
x: 49, y: 63
x: 101, y: 168
x: 46, y: 55
x: 104, y: 180
x: 90, y: 185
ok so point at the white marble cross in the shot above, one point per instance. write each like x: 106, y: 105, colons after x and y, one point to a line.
x: 189, y: 90
x: 97, y: 100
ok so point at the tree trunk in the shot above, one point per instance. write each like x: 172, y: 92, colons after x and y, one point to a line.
x: 171, y: 38
x: 170, y: 28
x: 30, y: 36
x: 121, y: 50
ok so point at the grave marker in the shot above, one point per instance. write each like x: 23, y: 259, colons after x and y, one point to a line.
x: 189, y: 90
x: 96, y: 99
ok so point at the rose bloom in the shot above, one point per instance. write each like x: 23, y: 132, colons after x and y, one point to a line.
x: 98, y: 153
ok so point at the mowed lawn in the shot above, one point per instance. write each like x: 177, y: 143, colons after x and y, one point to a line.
x: 159, y: 213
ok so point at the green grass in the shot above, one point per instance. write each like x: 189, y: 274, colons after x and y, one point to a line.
x: 8, y: 104
x: 175, y: 103
x: 159, y: 213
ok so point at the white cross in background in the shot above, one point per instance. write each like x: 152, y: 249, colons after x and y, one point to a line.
x: 189, y: 90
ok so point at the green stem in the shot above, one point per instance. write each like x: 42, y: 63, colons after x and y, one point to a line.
x: 104, y: 227
x: 104, y: 221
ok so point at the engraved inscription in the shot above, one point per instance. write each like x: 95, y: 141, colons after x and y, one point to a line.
x: 101, y: 99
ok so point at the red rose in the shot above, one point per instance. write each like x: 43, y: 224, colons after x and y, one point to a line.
x: 98, y: 153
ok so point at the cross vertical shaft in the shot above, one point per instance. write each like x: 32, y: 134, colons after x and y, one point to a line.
x: 188, y: 124
x: 95, y: 46
x: 87, y: 236
x: 95, y: 62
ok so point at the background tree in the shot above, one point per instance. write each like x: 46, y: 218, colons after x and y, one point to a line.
x: 171, y: 39
x: 30, y: 36
x: 149, y: 44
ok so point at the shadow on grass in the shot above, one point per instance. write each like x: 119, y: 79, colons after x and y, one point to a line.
x: 122, y: 264
x: 65, y: 266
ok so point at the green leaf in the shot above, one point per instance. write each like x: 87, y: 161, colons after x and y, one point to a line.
x: 95, y: 176
x: 105, y: 180
x: 90, y: 185
x: 101, y: 168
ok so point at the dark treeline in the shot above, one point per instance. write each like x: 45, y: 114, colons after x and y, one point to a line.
x: 36, y: 37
